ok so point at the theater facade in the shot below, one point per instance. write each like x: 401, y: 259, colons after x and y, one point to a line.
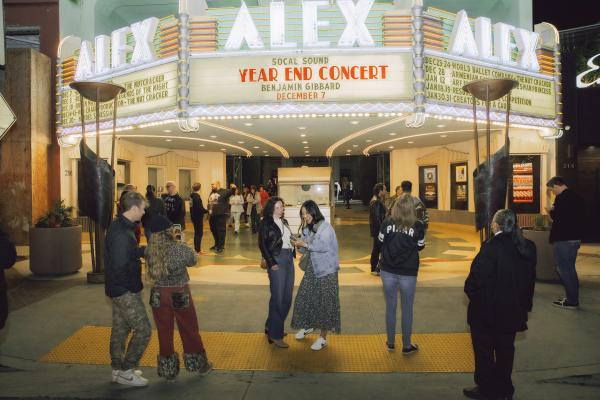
x: 315, y: 78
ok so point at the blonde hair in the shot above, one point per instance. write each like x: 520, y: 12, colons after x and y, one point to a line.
x: 403, y: 212
x: 156, y: 254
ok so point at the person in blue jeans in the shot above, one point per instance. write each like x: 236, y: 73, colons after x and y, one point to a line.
x: 402, y: 236
x: 565, y: 236
x: 274, y: 242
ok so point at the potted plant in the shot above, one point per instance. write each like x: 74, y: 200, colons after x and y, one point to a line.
x: 55, y: 243
x: 539, y: 233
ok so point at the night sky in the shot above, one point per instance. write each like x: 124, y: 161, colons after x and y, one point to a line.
x: 566, y: 14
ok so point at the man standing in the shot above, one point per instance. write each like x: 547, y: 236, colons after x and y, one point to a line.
x: 500, y: 288
x: 123, y: 284
x: 174, y: 206
x: 197, y: 212
x: 566, y: 238
x: 420, y: 209
x: 218, y: 215
x: 377, y: 213
x: 390, y: 200
x: 8, y: 257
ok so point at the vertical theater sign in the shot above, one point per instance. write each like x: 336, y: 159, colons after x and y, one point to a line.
x: 313, y: 58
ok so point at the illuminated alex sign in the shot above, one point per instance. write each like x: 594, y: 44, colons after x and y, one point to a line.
x: 111, y: 52
x: 355, y: 32
x: 496, y: 48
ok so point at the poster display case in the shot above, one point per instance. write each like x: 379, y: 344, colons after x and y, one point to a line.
x: 296, y: 185
x: 524, y: 192
x: 428, y: 186
x: 459, y: 187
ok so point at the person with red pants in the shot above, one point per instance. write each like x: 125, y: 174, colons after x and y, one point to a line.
x: 167, y: 260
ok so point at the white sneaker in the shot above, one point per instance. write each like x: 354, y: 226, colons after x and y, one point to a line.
x: 319, y: 344
x: 301, y: 334
x: 115, y: 373
x: 131, y: 379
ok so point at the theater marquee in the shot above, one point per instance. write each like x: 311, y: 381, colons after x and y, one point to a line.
x: 259, y: 79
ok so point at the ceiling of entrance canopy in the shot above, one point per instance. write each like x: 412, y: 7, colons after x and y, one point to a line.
x: 299, y: 137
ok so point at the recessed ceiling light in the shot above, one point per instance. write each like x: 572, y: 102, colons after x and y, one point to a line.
x: 410, y: 142
x: 393, y: 134
x: 168, y: 140
x: 223, y: 149
x: 306, y: 147
x: 265, y: 151
x: 443, y: 135
x: 354, y: 122
x: 303, y: 135
x: 348, y: 151
x: 248, y: 123
x: 167, y: 131
x: 391, y: 147
x: 213, y: 136
x: 441, y: 126
x: 354, y: 145
x: 306, y: 151
x: 241, y: 142
x: 201, y: 145
x: 302, y: 128
x: 368, y: 140
x: 257, y: 147
x: 304, y: 142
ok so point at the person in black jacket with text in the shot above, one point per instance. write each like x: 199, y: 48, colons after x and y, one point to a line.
x: 123, y: 284
x: 566, y: 235
x: 500, y: 289
x: 8, y: 257
x: 197, y: 212
x: 174, y: 206
x: 377, y: 213
x: 277, y: 250
x: 402, y: 236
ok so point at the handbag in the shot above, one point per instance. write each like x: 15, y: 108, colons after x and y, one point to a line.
x: 304, y: 261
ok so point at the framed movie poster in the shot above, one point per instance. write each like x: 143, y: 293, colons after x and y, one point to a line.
x: 459, y: 186
x: 428, y: 187
x: 524, y: 192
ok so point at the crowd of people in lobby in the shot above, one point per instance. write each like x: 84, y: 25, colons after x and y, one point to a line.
x: 500, y: 284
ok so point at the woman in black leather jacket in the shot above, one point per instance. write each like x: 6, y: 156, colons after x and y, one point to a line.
x: 274, y: 241
x: 377, y: 213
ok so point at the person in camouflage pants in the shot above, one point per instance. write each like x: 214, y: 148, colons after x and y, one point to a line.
x: 123, y: 284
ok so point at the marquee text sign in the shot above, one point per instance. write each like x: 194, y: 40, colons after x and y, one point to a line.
x: 259, y: 79
x: 444, y: 80
x: 145, y: 91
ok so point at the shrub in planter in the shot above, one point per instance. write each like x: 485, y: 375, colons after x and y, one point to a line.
x: 55, y: 243
x: 540, y: 235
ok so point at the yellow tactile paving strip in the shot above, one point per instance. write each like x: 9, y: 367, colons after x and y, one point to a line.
x: 439, y: 352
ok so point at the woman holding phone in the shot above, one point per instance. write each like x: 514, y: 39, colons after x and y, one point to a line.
x: 317, y: 304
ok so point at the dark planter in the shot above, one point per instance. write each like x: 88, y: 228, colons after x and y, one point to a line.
x: 55, y: 251
x: 546, y: 266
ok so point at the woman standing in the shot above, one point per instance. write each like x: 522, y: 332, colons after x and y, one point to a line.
x: 197, y: 212
x: 277, y: 251
x: 237, y: 206
x: 155, y: 206
x: 377, y: 214
x: 167, y: 260
x: 317, y: 304
x: 402, y: 237
x: 252, y: 209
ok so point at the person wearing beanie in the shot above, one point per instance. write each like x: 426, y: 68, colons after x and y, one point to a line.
x: 167, y: 260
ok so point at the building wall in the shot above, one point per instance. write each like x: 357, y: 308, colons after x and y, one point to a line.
x: 404, y: 163
x: 206, y: 167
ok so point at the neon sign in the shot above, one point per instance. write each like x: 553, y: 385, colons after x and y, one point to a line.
x: 463, y: 42
x: 593, y: 67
